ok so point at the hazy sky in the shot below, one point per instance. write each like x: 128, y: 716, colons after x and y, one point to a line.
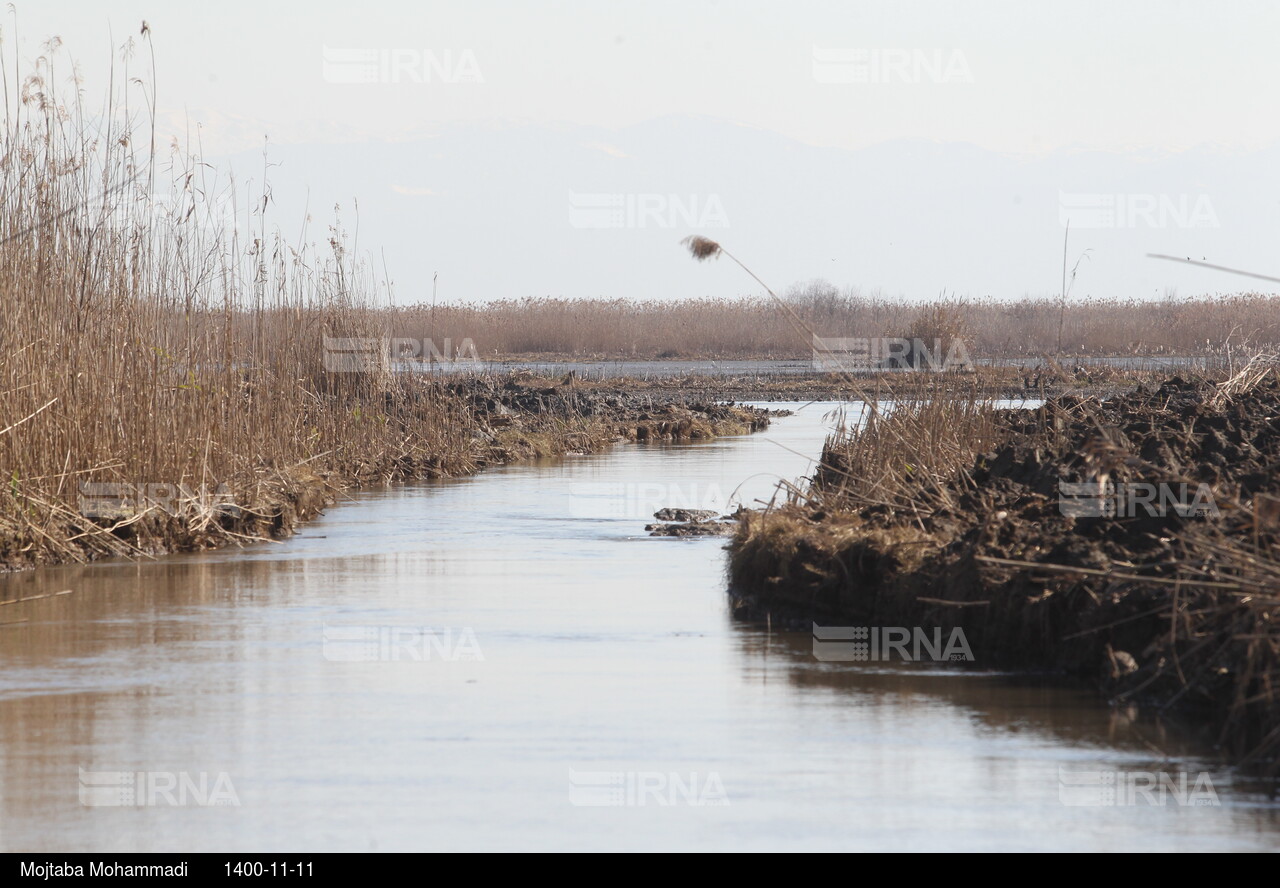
x: 1040, y: 75
x: 906, y: 148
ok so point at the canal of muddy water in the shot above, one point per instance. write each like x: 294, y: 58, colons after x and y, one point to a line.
x: 509, y: 662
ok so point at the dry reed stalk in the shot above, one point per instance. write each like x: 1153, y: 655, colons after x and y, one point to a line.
x: 1259, y: 367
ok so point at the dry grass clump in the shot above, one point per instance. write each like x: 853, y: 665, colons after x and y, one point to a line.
x: 861, y: 524
x: 903, y: 453
x: 1249, y: 377
x: 822, y: 563
x: 940, y: 327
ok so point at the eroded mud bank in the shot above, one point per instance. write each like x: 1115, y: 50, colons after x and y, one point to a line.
x: 493, y: 421
x: 1134, y: 541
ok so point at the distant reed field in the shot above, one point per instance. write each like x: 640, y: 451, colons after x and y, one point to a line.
x: 758, y: 327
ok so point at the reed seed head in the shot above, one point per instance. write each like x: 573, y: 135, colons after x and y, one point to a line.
x: 701, y: 247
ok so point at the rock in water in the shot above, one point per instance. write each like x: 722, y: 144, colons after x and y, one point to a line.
x: 684, y: 514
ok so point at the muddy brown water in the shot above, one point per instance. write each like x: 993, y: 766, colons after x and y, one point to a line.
x: 508, y: 661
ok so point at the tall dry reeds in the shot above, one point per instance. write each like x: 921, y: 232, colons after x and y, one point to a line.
x: 157, y: 331
x: 904, y: 453
x: 754, y: 327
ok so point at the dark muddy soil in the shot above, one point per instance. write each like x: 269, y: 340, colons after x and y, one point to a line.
x: 1012, y: 383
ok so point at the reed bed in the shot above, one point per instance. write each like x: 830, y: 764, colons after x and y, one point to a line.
x: 758, y: 327
x: 159, y: 335
x: 891, y: 453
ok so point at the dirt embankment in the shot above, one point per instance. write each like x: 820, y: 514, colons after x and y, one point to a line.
x: 493, y: 421
x: 1050, y: 379
x: 525, y: 416
x: 1134, y: 541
